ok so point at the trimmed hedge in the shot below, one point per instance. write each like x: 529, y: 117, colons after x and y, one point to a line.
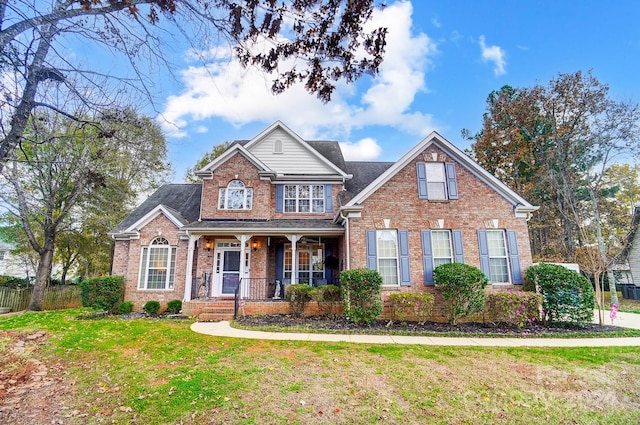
x: 151, y: 307
x: 411, y: 306
x: 174, y: 306
x: 513, y: 307
x: 298, y: 295
x: 567, y: 295
x: 328, y: 298
x: 102, y: 293
x: 462, y: 287
x: 361, y: 289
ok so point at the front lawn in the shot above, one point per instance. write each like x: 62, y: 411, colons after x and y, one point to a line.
x: 55, y: 368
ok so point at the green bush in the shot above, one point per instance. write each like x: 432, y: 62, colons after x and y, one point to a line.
x: 567, y: 295
x: 125, y: 307
x: 102, y: 293
x: 514, y: 307
x: 361, y: 295
x: 13, y: 282
x: 174, y: 306
x: 151, y: 307
x: 462, y: 287
x: 328, y: 298
x: 298, y: 295
x: 411, y: 306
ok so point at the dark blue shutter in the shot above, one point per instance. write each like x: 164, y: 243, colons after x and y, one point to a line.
x: 372, y: 255
x: 328, y: 275
x: 483, y: 247
x: 458, y: 250
x: 427, y: 257
x: 279, y: 198
x: 514, y: 258
x: 452, y: 182
x: 328, y: 198
x: 405, y: 272
x: 421, y: 170
x: 279, y: 262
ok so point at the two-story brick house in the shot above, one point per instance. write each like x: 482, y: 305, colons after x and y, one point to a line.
x: 278, y: 209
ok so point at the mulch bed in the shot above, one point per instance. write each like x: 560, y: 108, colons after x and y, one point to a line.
x: 340, y: 324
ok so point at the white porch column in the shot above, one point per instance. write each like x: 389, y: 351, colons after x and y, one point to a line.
x: 188, y: 279
x: 294, y: 256
x: 244, y: 286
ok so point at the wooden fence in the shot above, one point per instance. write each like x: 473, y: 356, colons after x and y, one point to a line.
x: 55, y: 297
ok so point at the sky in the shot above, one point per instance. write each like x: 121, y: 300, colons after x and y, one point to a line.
x: 443, y: 58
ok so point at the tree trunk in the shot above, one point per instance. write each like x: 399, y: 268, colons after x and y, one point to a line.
x: 43, y: 275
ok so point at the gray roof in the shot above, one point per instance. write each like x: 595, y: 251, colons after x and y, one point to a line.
x: 268, y: 226
x: 363, y: 174
x: 330, y: 150
x: 183, y: 199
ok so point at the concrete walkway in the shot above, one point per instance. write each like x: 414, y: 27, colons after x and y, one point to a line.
x: 628, y: 320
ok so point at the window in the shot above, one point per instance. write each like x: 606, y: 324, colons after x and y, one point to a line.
x: 157, y: 266
x: 441, y: 247
x: 387, y: 249
x: 437, y: 181
x: 2, y: 254
x: 303, y: 198
x: 310, y: 263
x: 235, y: 196
x: 498, y: 258
x: 277, y: 146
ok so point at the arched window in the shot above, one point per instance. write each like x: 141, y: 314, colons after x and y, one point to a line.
x: 236, y: 196
x: 157, y: 265
x: 277, y: 146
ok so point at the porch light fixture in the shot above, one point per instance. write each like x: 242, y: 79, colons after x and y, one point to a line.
x: 254, y: 245
x: 207, y: 244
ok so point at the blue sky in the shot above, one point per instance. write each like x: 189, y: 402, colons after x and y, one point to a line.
x: 443, y: 59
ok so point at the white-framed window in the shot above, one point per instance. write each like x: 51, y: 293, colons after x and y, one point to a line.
x: 498, y: 256
x: 236, y: 196
x: 2, y: 254
x: 157, y: 265
x: 304, y: 198
x: 310, y: 263
x: 436, y: 180
x: 387, y: 249
x: 441, y: 247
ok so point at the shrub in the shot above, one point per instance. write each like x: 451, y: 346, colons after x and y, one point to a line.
x: 125, y: 307
x: 298, y: 295
x: 174, y: 306
x: 102, y: 293
x: 151, y: 307
x: 567, y: 295
x: 328, y: 298
x: 411, y: 306
x: 462, y: 287
x: 361, y: 295
x: 514, y: 307
x: 13, y: 282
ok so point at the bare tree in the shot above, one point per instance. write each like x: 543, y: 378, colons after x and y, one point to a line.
x: 326, y: 39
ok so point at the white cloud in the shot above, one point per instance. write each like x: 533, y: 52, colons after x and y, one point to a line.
x: 223, y: 89
x: 494, y: 54
x: 362, y: 150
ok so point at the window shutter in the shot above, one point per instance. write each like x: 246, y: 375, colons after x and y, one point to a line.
x: 458, y: 251
x: 405, y: 272
x: 279, y: 198
x: 279, y: 262
x: 372, y: 256
x: 452, y: 182
x: 328, y: 198
x: 427, y: 257
x: 483, y: 247
x: 514, y: 258
x: 421, y: 170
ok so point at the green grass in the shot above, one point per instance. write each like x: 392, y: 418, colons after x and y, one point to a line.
x: 159, y: 372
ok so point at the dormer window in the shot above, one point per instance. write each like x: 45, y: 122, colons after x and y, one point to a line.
x: 236, y: 196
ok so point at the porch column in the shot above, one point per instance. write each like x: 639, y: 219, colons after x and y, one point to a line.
x: 188, y: 279
x: 244, y: 287
x: 294, y: 256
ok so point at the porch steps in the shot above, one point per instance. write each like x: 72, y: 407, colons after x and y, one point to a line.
x: 220, y: 310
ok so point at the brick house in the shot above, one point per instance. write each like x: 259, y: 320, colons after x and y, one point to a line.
x: 278, y: 209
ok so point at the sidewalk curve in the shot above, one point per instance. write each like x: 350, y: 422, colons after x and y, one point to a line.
x: 629, y: 320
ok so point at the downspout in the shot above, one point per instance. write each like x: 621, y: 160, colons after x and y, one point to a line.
x: 346, y: 233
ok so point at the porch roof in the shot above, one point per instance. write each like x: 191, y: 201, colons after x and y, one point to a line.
x: 265, y: 227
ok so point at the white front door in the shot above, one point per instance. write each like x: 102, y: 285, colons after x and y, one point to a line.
x: 226, y: 268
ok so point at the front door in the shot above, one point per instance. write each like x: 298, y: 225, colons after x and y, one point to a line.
x: 226, y: 269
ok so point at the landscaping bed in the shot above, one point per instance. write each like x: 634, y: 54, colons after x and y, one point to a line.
x: 291, y: 323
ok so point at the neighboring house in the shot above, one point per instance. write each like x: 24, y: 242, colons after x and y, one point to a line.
x: 278, y: 209
x: 626, y: 265
x: 13, y: 264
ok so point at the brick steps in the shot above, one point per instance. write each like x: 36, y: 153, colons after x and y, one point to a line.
x: 220, y: 310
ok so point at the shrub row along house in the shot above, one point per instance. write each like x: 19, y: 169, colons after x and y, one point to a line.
x: 278, y: 209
